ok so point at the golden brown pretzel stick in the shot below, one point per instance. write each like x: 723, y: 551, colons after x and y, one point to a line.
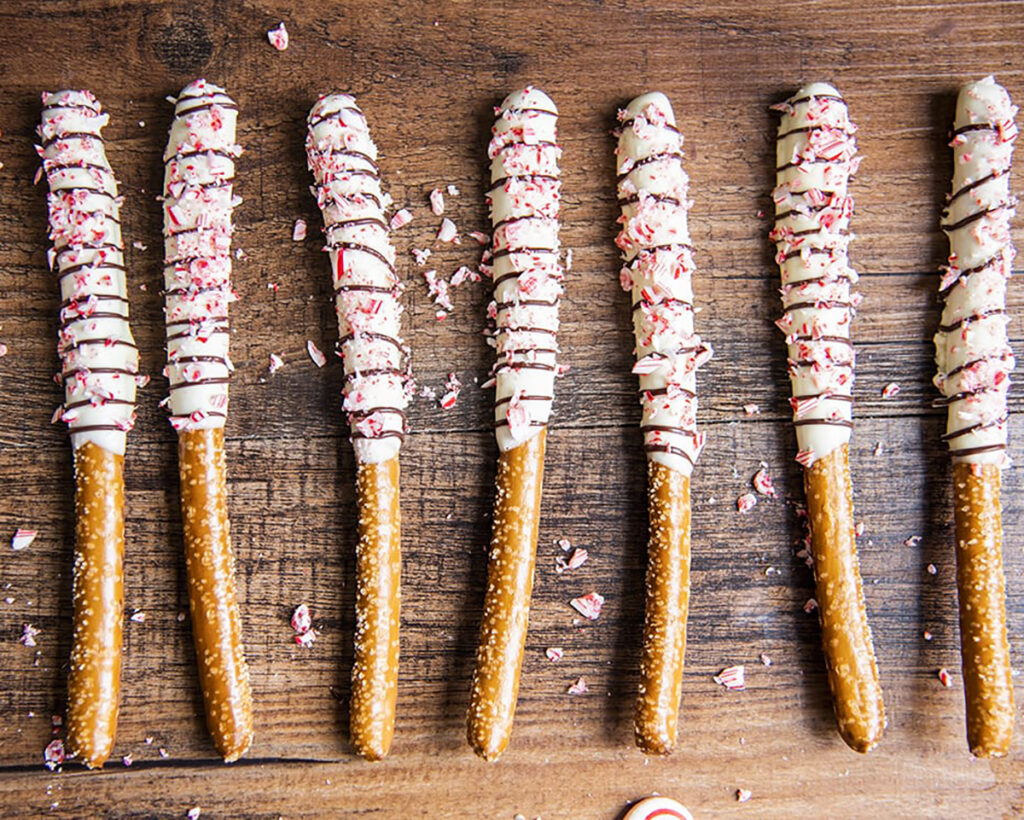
x: 94, y: 682
x: 668, y: 601
x: 845, y: 634
x: 988, y: 686
x: 492, y: 699
x: 216, y: 623
x: 378, y: 601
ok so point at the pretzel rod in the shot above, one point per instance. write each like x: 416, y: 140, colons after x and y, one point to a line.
x: 99, y: 370
x: 378, y: 384
x: 495, y: 689
x: 524, y: 204
x: 653, y: 192
x: 974, y: 361
x: 198, y: 203
x: 816, y: 155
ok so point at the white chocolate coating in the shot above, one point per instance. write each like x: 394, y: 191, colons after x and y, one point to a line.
x: 524, y: 204
x: 816, y: 154
x: 653, y: 191
x: 199, y: 167
x: 972, y: 351
x: 99, y: 359
x: 342, y: 157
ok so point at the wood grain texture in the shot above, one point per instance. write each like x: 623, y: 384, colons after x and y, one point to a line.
x: 429, y: 90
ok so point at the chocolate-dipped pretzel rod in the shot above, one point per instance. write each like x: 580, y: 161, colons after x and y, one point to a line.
x: 99, y: 367
x: 199, y: 167
x: 342, y: 157
x: 974, y: 362
x: 816, y: 155
x: 524, y: 202
x: 655, y: 240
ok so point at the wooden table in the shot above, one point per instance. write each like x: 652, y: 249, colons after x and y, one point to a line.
x: 427, y: 76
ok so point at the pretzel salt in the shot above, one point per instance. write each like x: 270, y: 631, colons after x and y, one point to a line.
x: 816, y: 155
x: 99, y: 371
x: 653, y: 192
x: 974, y: 362
x: 343, y: 159
x: 199, y: 169
x: 524, y: 200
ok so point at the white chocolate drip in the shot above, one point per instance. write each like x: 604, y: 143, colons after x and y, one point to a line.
x: 972, y: 351
x: 199, y: 167
x: 816, y: 154
x: 343, y: 159
x: 653, y: 191
x: 524, y: 204
x: 99, y: 359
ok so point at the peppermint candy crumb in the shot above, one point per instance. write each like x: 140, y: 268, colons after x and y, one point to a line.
x: 746, y: 502
x: 401, y: 218
x: 53, y: 754
x: 577, y: 559
x: 194, y: 812
x: 554, y: 653
x: 127, y: 760
x: 752, y: 409
x: 933, y: 570
x: 23, y: 539
x: 765, y: 659
x: 278, y: 38
x: 315, y: 353
x: 452, y: 190
x: 437, y: 202
x: 912, y: 541
x: 743, y: 795
x: 299, y: 230
x: 762, y: 481
x: 138, y: 617
x: 732, y: 678
x: 452, y: 388
x: 579, y: 687
x: 890, y: 390
x: 945, y: 678
x: 28, y: 635
x: 447, y: 232
x: 276, y: 363
x: 810, y: 605
x: 301, y: 619
x: 589, y: 605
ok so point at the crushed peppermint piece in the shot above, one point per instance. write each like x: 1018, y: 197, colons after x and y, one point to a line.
x: 452, y: 388
x: 480, y: 237
x: 464, y: 274
x: 428, y: 392
x: 127, y: 760
x: 762, y: 481
x: 879, y: 449
x: 926, y: 635
x: 139, y: 246
x: 806, y: 458
x: 138, y: 617
x: 589, y: 605
x: 273, y: 286
x: 447, y: 232
x: 554, y: 653
x: 28, y: 635
x: 452, y: 190
x: 23, y: 539
x: 577, y: 559
x: 163, y: 753
x: 810, y: 605
x: 568, y: 259
x: 732, y: 677
x: 912, y: 541
x: 890, y: 390
x: 194, y: 812
x: 746, y: 502
x: 278, y: 38
x: 743, y: 795
x: 564, y: 543
x: 578, y: 688
x: 421, y: 255
x: 301, y: 619
x: 858, y: 529
x: 53, y: 754
x: 933, y: 570
x: 765, y: 659
x: 437, y: 202
x: 945, y: 678
x: 752, y: 409
x: 401, y: 218
x: 299, y: 230
x: 276, y: 363
x: 306, y: 639
x: 438, y: 289
x: 315, y: 353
